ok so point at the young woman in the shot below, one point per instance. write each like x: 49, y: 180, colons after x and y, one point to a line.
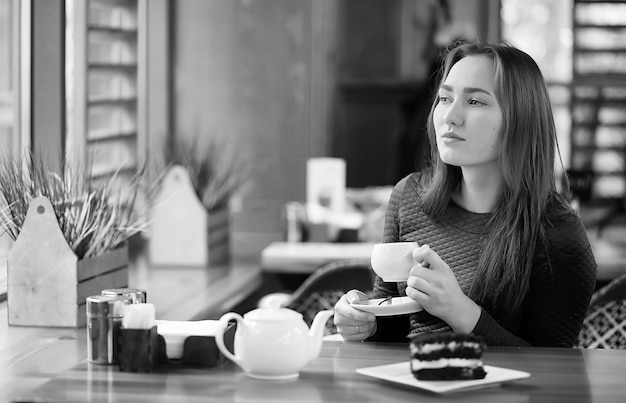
x: 502, y: 254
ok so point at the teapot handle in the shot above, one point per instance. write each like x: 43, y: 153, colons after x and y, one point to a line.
x: 219, y: 335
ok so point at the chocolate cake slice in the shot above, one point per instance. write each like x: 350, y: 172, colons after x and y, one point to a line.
x: 447, y: 356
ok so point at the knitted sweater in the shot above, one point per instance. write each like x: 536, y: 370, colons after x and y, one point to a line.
x: 562, y: 279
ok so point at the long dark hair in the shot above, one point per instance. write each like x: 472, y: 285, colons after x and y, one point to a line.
x: 526, y: 157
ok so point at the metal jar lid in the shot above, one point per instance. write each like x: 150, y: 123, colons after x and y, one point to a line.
x: 136, y: 295
x: 106, y: 305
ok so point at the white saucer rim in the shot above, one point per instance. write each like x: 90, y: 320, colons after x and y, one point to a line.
x: 389, y: 310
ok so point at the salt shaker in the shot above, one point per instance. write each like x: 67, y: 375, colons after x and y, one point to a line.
x: 292, y: 222
x: 104, y: 321
x: 136, y: 295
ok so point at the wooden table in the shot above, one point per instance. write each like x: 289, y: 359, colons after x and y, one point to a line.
x: 49, y: 366
x: 306, y: 257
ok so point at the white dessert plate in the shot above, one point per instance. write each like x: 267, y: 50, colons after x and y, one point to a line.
x: 400, y: 373
x: 388, y: 307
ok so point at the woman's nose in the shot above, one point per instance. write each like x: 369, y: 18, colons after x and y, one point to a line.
x: 453, y: 114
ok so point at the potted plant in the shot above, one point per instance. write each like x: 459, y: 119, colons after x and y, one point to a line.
x: 190, y: 209
x: 69, y: 240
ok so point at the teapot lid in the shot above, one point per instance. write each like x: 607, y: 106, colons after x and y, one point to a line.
x: 273, y: 314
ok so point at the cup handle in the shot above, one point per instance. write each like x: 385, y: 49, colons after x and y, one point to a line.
x: 219, y: 335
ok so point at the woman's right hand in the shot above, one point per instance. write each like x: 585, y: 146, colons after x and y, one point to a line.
x: 353, y: 324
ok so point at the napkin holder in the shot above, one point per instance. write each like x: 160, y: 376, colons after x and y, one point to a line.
x: 138, y: 349
x: 198, y: 351
x: 145, y: 350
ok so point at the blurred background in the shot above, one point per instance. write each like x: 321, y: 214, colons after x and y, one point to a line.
x: 108, y: 84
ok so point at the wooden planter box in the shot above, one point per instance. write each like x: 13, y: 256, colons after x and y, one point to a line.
x: 182, y: 231
x: 47, y: 284
x: 218, y: 236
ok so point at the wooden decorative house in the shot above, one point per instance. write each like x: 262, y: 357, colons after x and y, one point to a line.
x: 47, y: 283
x: 182, y: 231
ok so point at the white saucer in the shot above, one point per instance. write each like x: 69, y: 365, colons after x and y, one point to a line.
x: 394, y: 306
x: 273, y: 377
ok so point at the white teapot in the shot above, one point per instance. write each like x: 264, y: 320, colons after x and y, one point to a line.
x: 273, y: 343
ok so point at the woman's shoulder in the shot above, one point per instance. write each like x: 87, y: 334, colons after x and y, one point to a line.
x: 565, y: 232
x: 415, y: 181
x: 408, y: 189
x: 561, y: 217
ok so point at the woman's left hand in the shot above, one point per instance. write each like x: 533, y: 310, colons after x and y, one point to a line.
x: 432, y: 283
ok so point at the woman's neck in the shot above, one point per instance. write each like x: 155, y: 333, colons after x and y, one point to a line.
x: 479, y: 189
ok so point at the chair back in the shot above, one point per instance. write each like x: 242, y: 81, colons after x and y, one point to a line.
x: 327, y: 284
x: 604, y: 325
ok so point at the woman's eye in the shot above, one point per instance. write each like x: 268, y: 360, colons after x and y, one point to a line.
x: 475, y: 102
x: 444, y: 98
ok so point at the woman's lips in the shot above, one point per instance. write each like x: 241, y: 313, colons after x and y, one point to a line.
x: 451, y: 137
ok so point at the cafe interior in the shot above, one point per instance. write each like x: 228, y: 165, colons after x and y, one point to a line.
x: 239, y: 157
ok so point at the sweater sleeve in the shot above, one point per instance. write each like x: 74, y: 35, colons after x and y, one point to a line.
x: 561, y: 285
x: 494, y: 333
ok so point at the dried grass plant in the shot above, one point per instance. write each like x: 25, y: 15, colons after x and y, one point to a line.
x: 92, y: 219
x: 216, y: 170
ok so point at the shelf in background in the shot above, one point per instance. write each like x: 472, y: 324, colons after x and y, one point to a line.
x: 598, y: 97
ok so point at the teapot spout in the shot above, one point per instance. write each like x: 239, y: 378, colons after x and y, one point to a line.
x: 316, y: 333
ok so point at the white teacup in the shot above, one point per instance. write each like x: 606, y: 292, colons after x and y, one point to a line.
x: 393, y: 261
